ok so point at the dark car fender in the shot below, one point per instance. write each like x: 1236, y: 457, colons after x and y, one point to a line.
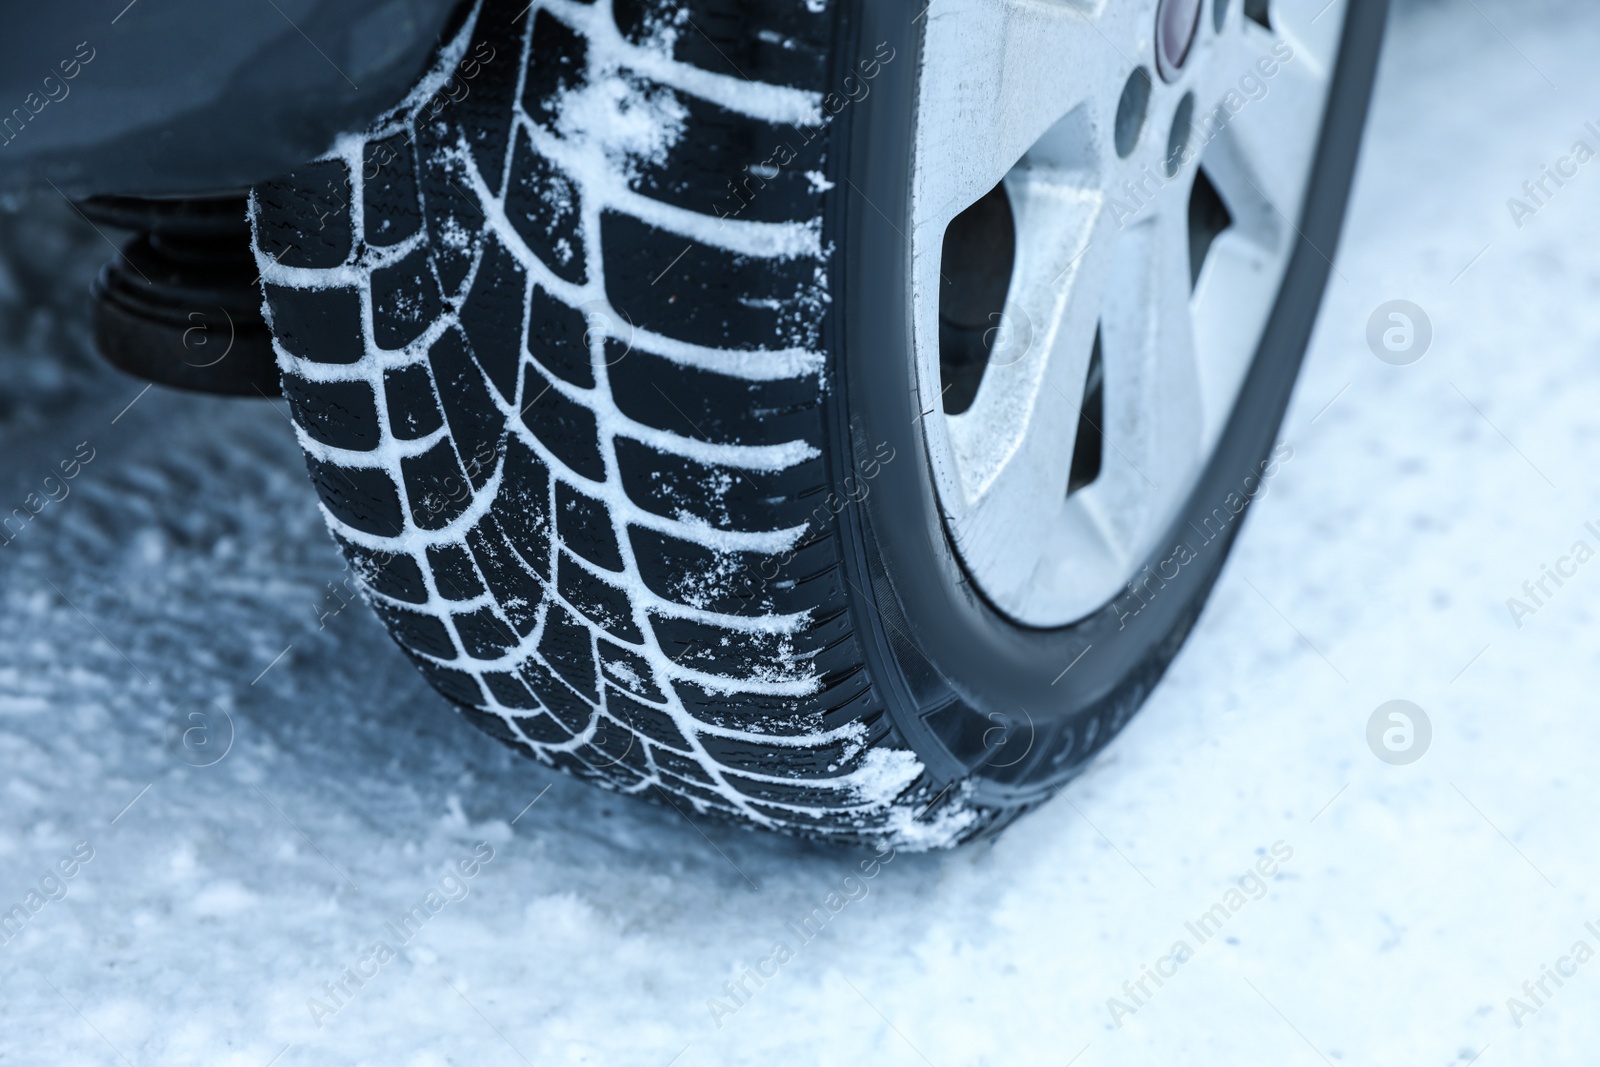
x: 181, y: 97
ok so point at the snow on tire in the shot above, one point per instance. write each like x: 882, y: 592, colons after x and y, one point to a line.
x: 559, y: 384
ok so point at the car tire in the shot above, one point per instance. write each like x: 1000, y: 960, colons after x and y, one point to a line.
x: 600, y: 349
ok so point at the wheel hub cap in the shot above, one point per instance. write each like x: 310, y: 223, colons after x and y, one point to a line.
x: 1139, y: 222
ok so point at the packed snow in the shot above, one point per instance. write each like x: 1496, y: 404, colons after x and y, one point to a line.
x: 243, y: 831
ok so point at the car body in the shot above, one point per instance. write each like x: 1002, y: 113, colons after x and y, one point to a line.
x: 190, y: 97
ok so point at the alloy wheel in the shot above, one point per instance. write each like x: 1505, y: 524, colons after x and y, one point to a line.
x: 1104, y: 202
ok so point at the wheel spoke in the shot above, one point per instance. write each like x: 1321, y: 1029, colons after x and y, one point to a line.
x: 1257, y: 140
x: 1259, y: 159
x: 1013, y: 449
x: 1154, y: 420
x: 1312, y: 26
x: 1229, y: 302
x: 994, y: 81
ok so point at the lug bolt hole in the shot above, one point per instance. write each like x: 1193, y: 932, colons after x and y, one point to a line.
x: 1178, y: 139
x: 1131, y: 110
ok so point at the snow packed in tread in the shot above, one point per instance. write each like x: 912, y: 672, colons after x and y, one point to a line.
x: 586, y: 386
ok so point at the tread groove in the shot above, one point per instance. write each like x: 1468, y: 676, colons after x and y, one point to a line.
x: 506, y: 267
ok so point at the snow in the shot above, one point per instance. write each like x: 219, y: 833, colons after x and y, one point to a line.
x: 603, y: 129
x: 223, y: 898
x: 653, y: 60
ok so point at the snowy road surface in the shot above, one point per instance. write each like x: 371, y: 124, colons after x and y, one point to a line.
x: 178, y: 585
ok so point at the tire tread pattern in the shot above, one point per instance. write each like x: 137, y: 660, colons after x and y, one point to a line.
x: 565, y: 410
